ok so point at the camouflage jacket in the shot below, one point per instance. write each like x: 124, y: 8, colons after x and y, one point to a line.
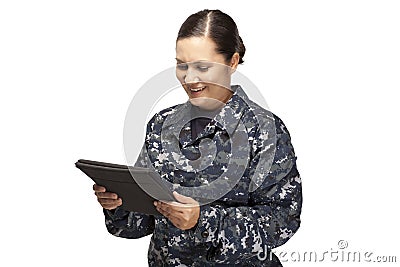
x: 260, y: 212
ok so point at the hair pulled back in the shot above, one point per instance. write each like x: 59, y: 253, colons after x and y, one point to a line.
x: 219, y: 27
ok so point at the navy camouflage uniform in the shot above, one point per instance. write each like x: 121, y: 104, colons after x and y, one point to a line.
x: 238, y: 229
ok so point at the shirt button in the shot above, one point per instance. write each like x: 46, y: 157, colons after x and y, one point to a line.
x: 204, y: 234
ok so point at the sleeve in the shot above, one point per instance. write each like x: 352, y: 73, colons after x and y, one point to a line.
x: 232, y: 234
x: 122, y: 223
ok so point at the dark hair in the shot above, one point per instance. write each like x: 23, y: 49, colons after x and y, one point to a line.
x: 219, y: 27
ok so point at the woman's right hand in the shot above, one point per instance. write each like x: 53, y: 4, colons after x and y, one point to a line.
x: 107, y: 200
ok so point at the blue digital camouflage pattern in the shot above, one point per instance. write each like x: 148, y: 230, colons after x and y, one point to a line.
x: 238, y: 229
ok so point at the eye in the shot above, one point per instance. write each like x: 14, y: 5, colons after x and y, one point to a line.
x: 182, y: 66
x: 203, y: 68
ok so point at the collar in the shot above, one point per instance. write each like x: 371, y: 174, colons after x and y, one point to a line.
x: 177, y: 123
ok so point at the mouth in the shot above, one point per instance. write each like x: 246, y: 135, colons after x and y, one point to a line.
x: 195, y: 91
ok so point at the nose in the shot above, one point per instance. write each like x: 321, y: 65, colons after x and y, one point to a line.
x: 191, y: 76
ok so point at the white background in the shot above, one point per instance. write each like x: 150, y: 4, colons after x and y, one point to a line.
x: 69, y: 69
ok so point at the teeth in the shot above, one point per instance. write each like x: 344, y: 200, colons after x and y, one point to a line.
x: 197, y: 89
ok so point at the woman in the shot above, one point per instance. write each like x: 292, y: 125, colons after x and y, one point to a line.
x: 243, y: 224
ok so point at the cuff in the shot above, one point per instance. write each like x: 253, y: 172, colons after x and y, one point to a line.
x: 206, y: 231
x: 115, y: 214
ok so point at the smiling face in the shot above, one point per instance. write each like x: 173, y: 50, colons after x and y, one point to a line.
x: 204, y: 74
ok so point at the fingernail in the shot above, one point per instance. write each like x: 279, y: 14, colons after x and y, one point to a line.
x: 155, y: 203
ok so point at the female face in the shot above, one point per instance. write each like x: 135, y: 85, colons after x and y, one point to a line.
x: 204, y: 74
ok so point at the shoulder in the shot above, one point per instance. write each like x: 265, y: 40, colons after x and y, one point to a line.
x: 255, y: 115
x: 267, y: 132
x: 264, y: 119
x: 159, y: 118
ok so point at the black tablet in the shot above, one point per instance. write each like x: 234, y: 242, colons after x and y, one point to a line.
x: 138, y: 193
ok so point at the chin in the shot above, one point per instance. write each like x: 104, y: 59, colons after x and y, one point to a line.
x: 206, y: 103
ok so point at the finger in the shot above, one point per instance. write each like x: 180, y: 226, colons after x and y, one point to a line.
x: 170, y: 207
x: 173, y: 204
x: 178, y: 222
x: 99, y: 188
x: 166, y: 210
x: 109, y: 195
x: 177, y: 207
x: 110, y: 204
x: 172, y: 216
x: 161, y: 208
x: 163, y: 212
x: 107, y: 201
x: 175, y: 220
x: 110, y: 207
x: 164, y: 207
x: 184, y: 199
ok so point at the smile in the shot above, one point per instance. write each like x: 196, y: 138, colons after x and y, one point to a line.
x: 198, y: 89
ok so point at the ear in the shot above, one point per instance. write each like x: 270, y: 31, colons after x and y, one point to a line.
x: 234, y: 62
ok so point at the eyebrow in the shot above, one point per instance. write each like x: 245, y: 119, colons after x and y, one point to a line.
x: 197, y: 61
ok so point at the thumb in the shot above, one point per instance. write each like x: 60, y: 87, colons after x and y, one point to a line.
x: 184, y: 199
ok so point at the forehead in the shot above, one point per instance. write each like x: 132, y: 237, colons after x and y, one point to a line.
x: 197, y: 48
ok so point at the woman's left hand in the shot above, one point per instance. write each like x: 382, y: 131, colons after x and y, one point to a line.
x: 183, y: 214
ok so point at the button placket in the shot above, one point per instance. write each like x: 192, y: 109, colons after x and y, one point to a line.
x: 205, y: 234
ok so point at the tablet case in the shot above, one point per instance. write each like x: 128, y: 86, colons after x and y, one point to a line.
x: 138, y: 193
